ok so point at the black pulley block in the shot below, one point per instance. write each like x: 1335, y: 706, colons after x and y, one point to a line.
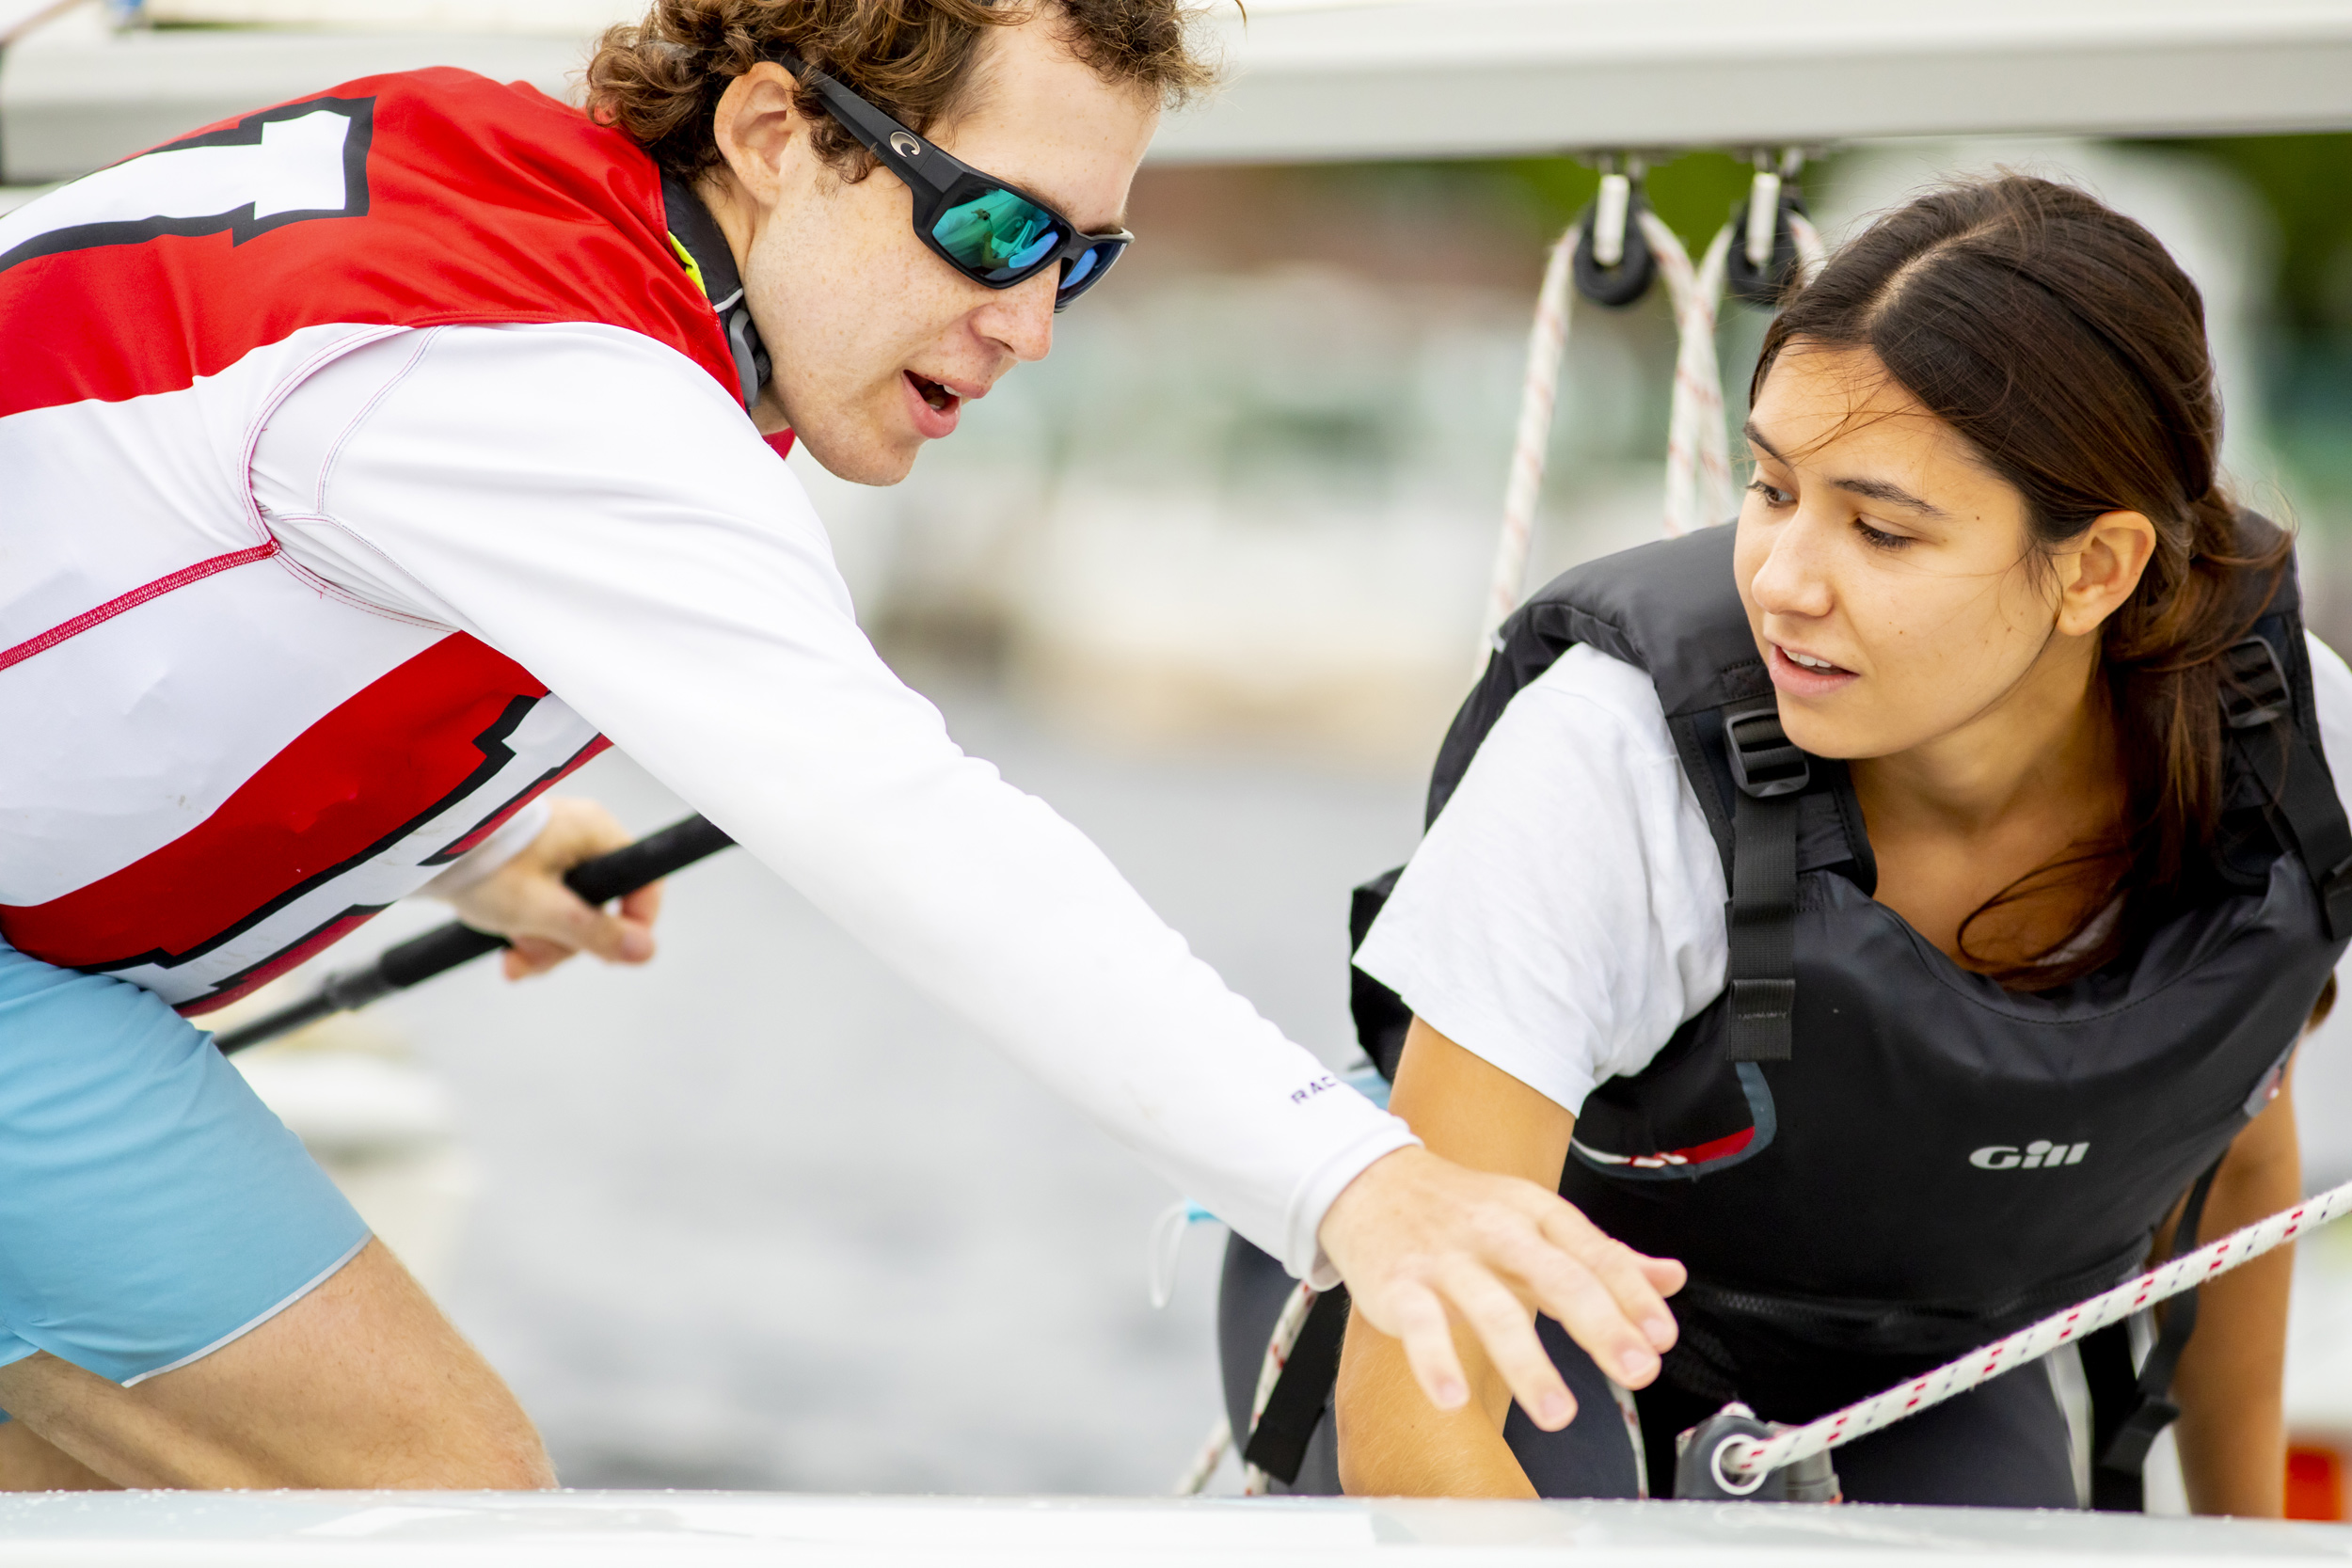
x: 1628, y: 281
x: 1745, y: 282
x: 1700, y: 1473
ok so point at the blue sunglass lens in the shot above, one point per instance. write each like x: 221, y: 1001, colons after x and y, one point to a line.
x: 1084, y: 270
x: 997, y: 235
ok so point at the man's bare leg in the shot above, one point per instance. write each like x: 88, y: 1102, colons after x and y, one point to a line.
x: 362, y: 1383
x: 28, y: 1464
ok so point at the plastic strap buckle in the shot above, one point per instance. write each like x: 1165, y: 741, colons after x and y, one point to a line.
x: 2254, y: 688
x: 1763, y: 763
x: 2127, y: 1450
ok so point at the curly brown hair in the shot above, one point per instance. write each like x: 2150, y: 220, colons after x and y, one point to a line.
x: 661, y: 80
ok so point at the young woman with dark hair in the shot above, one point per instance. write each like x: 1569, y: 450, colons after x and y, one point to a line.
x: 1990, y: 734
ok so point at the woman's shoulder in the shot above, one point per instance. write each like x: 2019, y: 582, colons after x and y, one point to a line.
x: 1587, y: 690
x: 2331, y: 683
x: 2331, y: 696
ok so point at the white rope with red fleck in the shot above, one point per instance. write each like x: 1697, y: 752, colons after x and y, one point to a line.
x: 1812, y: 255
x: 1546, y: 344
x: 1698, y: 453
x: 1745, y: 1458
x: 1278, y: 1353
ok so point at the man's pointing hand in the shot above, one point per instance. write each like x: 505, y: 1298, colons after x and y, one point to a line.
x: 1423, y: 1243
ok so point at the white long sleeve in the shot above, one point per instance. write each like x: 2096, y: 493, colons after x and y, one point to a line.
x: 592, y: 505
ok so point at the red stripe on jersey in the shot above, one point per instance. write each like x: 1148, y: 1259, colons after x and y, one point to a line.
x: 132, y: 600
x: 407, y: 747
x: 309, y: 947
x: 492, y: 823
x: 483, y: 201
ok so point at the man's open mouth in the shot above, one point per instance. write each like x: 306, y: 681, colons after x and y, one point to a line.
x: 938, y: 397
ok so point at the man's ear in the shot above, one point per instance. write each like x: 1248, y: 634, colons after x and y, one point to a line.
x: 756, y: 123
x: 2107, y: 563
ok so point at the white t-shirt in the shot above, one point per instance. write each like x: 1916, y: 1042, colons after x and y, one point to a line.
x: 1566, y: 913
x: 591, y: 503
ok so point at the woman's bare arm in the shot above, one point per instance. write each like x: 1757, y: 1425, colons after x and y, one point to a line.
x: 2231, y: 1432
x: 1392, y: 1440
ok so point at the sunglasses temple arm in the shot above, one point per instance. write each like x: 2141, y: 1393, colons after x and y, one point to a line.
x: 873, y: 129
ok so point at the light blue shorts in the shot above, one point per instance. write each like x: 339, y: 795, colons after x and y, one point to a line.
x: 152, y: 1207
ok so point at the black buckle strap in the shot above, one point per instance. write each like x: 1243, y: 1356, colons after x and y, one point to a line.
x: 1278, y: 1445
x: 1763, y: 762
x: 2128, y: 1411
x: 1762, y: 918
x: 2254, y: 688
x: 2255, y: 696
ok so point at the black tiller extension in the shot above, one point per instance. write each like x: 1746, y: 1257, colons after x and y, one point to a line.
x: 444, y: 947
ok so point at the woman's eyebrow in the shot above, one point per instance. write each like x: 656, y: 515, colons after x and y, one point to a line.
x: 1877, y: 489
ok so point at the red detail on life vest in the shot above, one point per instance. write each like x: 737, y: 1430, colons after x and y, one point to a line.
x: 781, y: 443
x: 408, y: 746
x: 1715, y: 1148
x: 132, y: 600
x: 485, y: 202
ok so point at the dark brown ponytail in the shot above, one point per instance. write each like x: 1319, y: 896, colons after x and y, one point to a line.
x: 2062, y: 342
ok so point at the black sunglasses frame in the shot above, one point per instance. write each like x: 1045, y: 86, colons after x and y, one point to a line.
x: 937, y: 178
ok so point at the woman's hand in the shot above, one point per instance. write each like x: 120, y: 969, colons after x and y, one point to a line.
x: 1447, y: 1268
x: 526, y: 902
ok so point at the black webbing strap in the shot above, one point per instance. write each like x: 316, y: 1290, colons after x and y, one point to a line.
x: 1278, y: 1445
x: 2255, y: 696
x: 1761, y: 920
x: 2129, y: 1410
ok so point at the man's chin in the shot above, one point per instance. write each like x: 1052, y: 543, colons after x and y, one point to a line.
x: 861, y: 458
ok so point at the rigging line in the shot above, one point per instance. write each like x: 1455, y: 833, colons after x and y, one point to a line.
x: 1698, y: 457
x: 1547, y: 343
x: 2185, y: 1272
x: 1278, y: 1353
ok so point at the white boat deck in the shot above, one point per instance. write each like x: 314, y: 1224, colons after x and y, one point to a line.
x: 594, y: 1529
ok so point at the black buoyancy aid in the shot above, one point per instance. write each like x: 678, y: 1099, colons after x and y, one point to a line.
x: 1870, y: 1159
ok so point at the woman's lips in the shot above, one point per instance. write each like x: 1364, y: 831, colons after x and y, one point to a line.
x: 1799, y: 680
x: 931, y: 406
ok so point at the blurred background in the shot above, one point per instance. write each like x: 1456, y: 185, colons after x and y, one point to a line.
x: 1207, y: 581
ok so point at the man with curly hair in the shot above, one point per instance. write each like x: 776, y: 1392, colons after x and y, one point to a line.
x: 373, y: 458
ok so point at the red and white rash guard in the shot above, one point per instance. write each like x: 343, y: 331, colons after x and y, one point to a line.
x: 369, y: 459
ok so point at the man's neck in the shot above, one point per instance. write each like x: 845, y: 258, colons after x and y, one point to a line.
x: 723, y: 197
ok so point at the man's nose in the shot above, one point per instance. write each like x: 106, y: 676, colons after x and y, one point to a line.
x: 1021, y: 317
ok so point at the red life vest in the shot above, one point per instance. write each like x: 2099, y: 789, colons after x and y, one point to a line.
x: 217, y: 765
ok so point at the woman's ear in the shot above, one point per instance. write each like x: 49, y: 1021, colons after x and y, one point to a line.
x: 757, y: 120
x: 2101, y: 571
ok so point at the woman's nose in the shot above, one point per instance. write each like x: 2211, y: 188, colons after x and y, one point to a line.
x: 1794, y: 578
